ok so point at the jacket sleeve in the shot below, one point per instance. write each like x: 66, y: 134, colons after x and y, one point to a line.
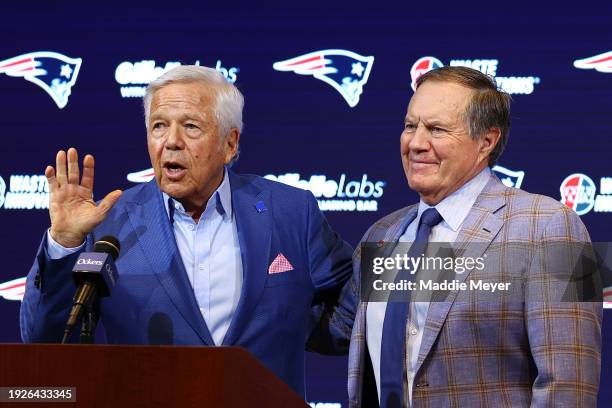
x: 564, y: 332
x: 48, y: 296
x: 335, y: 315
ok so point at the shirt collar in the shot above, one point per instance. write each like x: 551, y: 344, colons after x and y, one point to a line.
x: 455, y: 208
x: 221, y: 200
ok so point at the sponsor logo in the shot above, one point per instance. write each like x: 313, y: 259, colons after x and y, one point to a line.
x: 55, y: 73
x: 341, y: 195
x: 509, y: 177
x: 26, y: 192
x: 135, y: 76
x: 578, y: 193
x: 89, y: 261
x: 421, y: 66
x: 346, y: 71
x: 332, y: 195
x: 510, y: 84
x: 2, y: 191
x: 600, y: 62
x: 13, y: 289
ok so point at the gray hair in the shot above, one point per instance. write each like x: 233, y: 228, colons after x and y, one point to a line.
x: 229, y: 102
x: 488, y: 108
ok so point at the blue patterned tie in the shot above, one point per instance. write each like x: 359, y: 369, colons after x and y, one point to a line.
x: 394, y: 326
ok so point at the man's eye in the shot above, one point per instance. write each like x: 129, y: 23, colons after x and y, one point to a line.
x: 437, y: 129
x: 409, y: 126
x: 158, y: 125
x: 191, y: 126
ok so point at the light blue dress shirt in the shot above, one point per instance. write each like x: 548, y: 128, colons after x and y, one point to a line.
x: 210, y: 251
x: 453, y: 209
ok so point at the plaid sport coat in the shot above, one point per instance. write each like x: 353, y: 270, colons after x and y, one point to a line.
x: 494, y: 354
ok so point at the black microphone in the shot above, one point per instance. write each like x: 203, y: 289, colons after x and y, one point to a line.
x: 94, y: 275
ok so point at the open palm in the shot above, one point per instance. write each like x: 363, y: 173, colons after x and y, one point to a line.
x: 72, y: 210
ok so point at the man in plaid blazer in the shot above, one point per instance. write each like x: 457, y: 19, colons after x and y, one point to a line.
x: 515, y: 352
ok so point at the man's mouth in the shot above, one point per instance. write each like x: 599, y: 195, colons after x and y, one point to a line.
x: 421, y: 164
x: 174, y: 170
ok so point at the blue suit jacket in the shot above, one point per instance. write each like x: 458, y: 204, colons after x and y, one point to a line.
x: 153, y: 301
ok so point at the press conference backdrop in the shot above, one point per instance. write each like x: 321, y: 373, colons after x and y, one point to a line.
x: 326, y: 89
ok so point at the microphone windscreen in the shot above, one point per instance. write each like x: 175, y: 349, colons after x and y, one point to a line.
x: 109, y: 245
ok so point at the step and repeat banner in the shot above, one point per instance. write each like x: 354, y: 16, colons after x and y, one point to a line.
x: 326, y: 90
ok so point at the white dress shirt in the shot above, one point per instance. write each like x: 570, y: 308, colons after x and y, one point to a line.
x: 453, y: 209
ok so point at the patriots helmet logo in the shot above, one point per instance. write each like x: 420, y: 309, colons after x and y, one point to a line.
x: 601, y: 62
x: 13, y: 289
x: 53, y: 72
x: 344, y: 70
x: 142, y: 176
x: 510, y: 178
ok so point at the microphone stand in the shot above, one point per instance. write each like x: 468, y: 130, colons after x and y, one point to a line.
x: 88, y: 326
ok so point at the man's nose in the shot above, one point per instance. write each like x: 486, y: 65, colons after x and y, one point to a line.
x: 420, y: 139
x: 175, y: 138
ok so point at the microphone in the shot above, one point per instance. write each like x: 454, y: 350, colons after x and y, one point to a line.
x: 94, y: 275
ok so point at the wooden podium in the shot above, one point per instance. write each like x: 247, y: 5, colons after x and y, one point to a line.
x: 145, y: 376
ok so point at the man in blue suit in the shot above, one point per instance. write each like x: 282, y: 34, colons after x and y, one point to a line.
x: 208, y: 257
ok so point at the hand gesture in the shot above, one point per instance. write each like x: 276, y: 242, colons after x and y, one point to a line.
x: 73, y: 212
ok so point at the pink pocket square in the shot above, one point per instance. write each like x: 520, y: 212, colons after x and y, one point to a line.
x: 280, y: 264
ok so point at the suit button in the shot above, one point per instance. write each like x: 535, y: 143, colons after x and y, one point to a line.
x: 422, y: 384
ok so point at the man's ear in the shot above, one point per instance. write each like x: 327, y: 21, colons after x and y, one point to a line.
x: 230, y: 144
x: 487, y: 142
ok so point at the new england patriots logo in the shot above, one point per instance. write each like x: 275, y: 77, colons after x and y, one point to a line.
x: 346, y: 71
x: 13, y: 289
x: 601, y: 62
x: 510, y: 178
x: 53, y: 72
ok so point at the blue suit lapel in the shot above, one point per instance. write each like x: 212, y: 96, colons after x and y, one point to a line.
x: 481, y: 226
x: 252, y: 209
x: 150, y: 221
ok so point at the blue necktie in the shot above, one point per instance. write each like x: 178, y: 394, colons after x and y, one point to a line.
x: 394, y: 326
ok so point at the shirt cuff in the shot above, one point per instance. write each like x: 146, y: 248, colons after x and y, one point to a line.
x: 57, y: 251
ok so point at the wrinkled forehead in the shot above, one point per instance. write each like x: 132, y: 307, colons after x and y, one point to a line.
x: 185, y: 94
x: 442, y: 100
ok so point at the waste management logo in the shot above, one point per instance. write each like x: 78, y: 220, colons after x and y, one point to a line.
x: 523, y: 84
x: 135, y: 76
x: 24, y: 192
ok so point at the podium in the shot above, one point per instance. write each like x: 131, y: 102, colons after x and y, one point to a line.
x: 145, y: 376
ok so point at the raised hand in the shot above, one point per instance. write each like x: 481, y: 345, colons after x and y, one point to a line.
x: 73, y: 212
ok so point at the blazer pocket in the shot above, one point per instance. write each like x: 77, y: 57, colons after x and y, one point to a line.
x: 283, y: 278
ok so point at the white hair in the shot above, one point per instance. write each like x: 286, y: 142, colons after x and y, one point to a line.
x: 228, y: 99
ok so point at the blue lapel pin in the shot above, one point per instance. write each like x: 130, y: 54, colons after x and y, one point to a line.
x: 260, y: 207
